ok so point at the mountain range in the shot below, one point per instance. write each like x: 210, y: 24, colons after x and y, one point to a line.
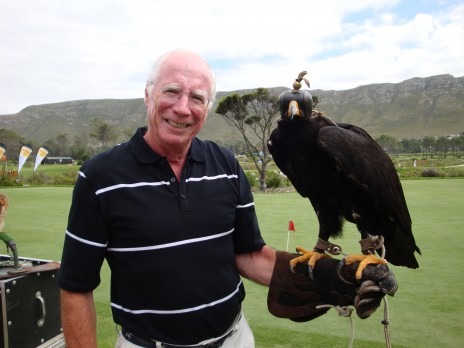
x: 414, y: 108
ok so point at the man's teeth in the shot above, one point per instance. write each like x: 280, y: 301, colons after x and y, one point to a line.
x: 177, y: 125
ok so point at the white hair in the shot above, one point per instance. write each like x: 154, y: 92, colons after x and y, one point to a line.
x: 152, y: 78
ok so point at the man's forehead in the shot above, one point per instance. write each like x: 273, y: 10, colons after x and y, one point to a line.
x: 187, y: 66
x: 184, y: 77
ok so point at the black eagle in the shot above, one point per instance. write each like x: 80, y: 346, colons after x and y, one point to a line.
x: 346, y: 176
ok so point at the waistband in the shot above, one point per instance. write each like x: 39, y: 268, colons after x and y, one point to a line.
x: 147, y: 343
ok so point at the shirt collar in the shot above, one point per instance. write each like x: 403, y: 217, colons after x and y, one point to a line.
x: 145, y: 154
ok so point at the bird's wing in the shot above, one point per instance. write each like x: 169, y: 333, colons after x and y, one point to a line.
x: 280, y: 154
x: 364, y: 163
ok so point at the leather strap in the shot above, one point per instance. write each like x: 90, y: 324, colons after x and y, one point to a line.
x: 331, y: 248
x: 371, y: 243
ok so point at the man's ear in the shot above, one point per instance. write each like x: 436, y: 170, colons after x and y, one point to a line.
x: 146, y: 97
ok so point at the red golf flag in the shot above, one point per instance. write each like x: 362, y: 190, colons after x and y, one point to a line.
x: 291, y: 226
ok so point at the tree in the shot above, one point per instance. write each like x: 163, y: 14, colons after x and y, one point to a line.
x: 442, y: 145
x: 388, y: 143
x: 53, y: 147
x: 63, y: 143
x: 457, y: 144
x: 428, y: 145
x: 58, y: 146
x: 315, y: 101
x: 103, y: 132
x: 253, y: 114
x: 126, y: 134
x: 12, y: 141
x: 411, y: 146
x: 80, y: 150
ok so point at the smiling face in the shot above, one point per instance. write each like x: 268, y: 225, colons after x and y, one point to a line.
x: 172, y: 123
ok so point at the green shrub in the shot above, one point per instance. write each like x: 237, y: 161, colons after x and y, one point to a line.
x: 37, y: 179
x: 8, y: 180
x: 455, y: 173
x: 251, y: 179
x: 430, y: 172
x: 273, y: 180
x: 67, y: 178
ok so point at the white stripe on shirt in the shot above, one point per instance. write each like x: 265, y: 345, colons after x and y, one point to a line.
x: 173, y: 244
x: 245, y: 205
x: 138, y: 184
x: 178, y: 311
x: 100, y: 245
x: 232, y: 176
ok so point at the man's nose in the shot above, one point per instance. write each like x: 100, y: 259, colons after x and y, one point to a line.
x: 182, y: 104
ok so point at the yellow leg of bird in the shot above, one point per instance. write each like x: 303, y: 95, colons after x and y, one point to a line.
x: 311, y: 257
x: 364, y: 260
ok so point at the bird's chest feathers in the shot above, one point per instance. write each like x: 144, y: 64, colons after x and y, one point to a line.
x: 300, y: 141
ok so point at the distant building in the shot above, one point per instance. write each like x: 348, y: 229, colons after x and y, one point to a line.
x: 58, y: 160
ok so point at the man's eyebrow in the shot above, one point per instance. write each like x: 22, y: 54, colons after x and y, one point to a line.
x: 173, y: 85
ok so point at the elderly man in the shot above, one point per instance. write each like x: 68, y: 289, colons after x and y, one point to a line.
x: 175, y: 219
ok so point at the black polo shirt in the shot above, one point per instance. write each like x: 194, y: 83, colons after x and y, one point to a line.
x: 170, y: 245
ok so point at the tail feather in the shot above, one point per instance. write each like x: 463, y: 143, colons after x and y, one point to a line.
x: 400, y: 249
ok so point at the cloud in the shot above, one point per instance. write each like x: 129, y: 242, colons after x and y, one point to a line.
x: 55, y: 50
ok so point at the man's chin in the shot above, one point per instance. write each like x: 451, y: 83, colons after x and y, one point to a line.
x: 177, y: 139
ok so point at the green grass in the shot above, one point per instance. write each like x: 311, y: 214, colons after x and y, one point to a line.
x: 425, y: 312
x: 45, y: 169
x: 427, y: 309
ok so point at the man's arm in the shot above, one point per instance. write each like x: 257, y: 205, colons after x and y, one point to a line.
x: 78, y: 319
x: 257, y: 266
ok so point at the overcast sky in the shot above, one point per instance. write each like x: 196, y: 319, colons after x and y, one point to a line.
x: 60, y: 50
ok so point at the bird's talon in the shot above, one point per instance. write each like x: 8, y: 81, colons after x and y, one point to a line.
x: 310, y: 272
x: 364, y: 261
x: 309, y: 257
x: 339, y: 271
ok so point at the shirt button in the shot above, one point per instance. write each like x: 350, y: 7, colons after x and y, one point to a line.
x: 173, y: 179
x: 182, y: 196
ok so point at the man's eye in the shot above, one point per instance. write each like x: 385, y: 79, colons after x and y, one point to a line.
x: 171, y: 92
x: 198, y: 99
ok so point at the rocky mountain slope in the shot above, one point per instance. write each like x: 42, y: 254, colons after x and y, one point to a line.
x: 414, y: 108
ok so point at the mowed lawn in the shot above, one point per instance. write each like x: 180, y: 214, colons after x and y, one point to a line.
x: 427, y: 310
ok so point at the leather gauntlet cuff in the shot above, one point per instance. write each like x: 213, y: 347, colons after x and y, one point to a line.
x: 296, y: 295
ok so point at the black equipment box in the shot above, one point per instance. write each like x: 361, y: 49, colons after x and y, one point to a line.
x: 30, y: 304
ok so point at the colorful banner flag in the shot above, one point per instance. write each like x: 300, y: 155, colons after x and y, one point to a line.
x: 2, y: 149
x: 23, y: 155
x: 43, y: 151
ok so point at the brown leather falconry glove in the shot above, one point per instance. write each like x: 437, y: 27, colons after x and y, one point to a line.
x: 296, y: 295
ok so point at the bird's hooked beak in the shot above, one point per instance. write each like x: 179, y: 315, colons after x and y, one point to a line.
x: 293, y: 110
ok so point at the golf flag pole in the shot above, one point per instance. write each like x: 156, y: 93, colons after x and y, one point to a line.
x: 291, y: 227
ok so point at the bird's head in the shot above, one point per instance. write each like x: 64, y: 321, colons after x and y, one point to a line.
x: 296, y: 104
